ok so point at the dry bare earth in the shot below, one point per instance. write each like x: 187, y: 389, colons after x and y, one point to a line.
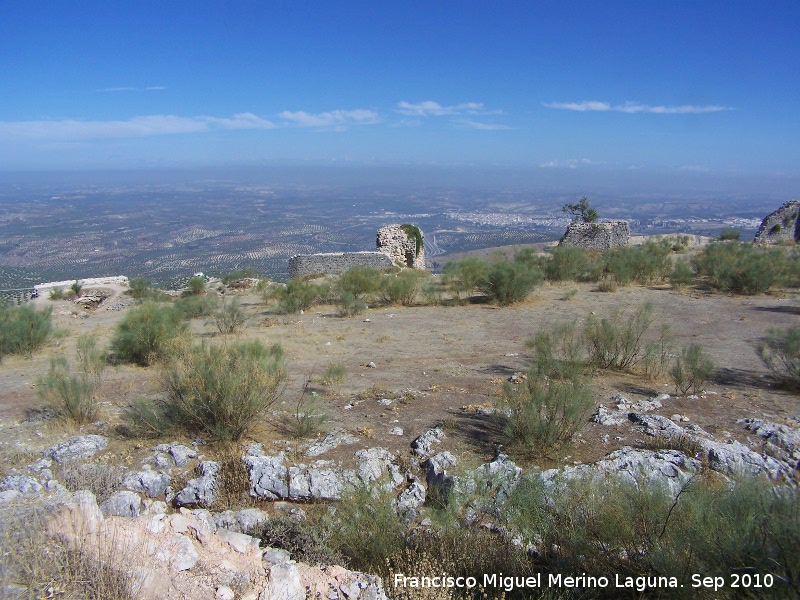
x: 439, y: 360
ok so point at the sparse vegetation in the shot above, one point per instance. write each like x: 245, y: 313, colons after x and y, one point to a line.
x: 147, y: 333
x: 780, y: 353
x: 400, y: 288
x: 70, y: 393
x: 229, y: 317
x: 692, y: 369
x: 729, y: 234
x: 541, y: 415
x: 308, y: 416
x: 220, y: 391
x: 296, y: 295
x: 742, y: 268
x: 23, y: 329
x: 333, y: 374
x: 196, y: 286
x: 508, y: 282
x: 618, y: 341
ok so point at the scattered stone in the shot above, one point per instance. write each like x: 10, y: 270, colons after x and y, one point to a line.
x: 24, y: 485
x: 371, y: 365
x: 76, y: 448
x: 238, y: 541
x: 200, y: 491
x: 396, y: 431
x: 410, y: 500
x: 734, y: 458
x: 152, y: 484
x: 275, y: 556
x: 655, y: 424
x: 636, y: 466
x: 423, y: 445
x: 241, y: 521
x: 122, y: 504
x: 335, y: 438
x: 436, y: 470
x: 284, y: 583
x: 224, y: 593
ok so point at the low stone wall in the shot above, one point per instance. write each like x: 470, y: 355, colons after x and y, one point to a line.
x: 597, y: 236
x: 44, y: 288
x: 303, y: 265
x: 781, y: 225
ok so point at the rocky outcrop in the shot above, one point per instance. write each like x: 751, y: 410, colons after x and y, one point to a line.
x: 187, y: 555
x: 782, y: 225
x: 597, y: 236
x: 76, y: 448
x: 403, y: 249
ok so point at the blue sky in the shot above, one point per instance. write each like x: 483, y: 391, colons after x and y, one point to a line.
x: 680, y: 86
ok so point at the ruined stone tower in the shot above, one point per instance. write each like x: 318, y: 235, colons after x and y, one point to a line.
x: 404, y: 244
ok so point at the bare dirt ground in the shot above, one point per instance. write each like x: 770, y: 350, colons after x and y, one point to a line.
x: 430, y: 362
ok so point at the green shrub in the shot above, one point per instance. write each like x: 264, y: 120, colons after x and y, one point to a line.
x: 510, y: 282
x: 433, y: 291
x: 400, y: 288
x: 220, y: 391
x: 349, y: 305
x: 465, y: 276
x: 229, y: 317
x: 729, y: 233
x: 541, y: 415
x: 147, y: 418
x: 196, y: 286
x: 71, y: 395
x: 618, y: 341
x: 681, y: 275
x: 23, y: 329
x: 303, y: 540
x: 234, y: 276
x: 359, y: 282
x: 296, y: 295
x: 643, y: 264
x: 692, y: 369
x: 632, y: 530
x: 194, y: 307
x: 742, y: 268
x: 780, y: 353
x: 334, y: 373
x: 559, y: 352
x: 56, y: 293
x: 76, y: 288
x: 568, y: 263
x: 147, y: 333
x: 365, y: 529
x: 308, y: 416
x: 139, y: 288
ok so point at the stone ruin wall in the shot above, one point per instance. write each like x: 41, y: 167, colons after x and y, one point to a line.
x: 401, y: 248
x: 597, y: 236
x: 44, y: 288
x: 304, y: 265
x: 781, y: 225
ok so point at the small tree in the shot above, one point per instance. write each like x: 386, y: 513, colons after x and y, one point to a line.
x: 581, y: 211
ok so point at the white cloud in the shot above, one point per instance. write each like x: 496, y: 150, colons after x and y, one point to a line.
x: 570, y: 163
x: 482, y: 126
x: 429, y: 108
x: 146, y: 126
x: 337, y: 119
x: 636, y: 107
x: 579, y: 106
